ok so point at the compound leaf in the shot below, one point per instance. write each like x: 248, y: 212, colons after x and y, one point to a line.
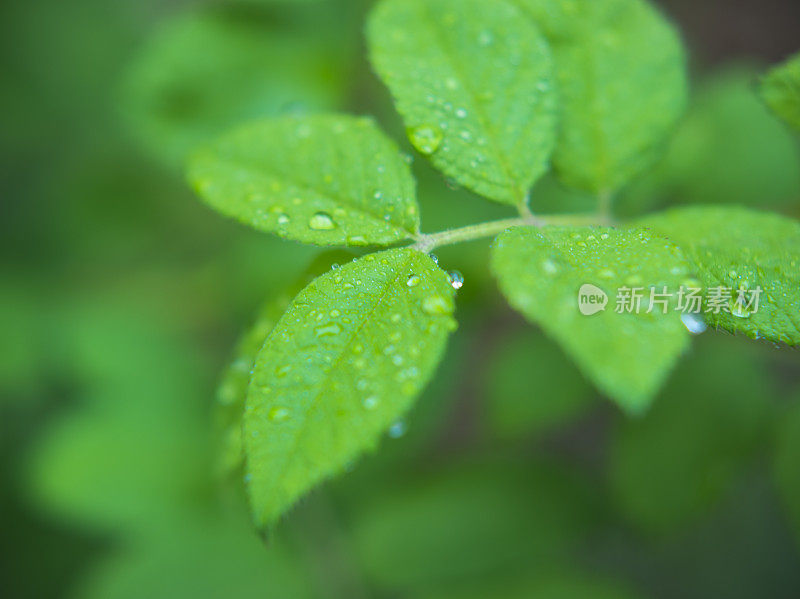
x: 628, y: 354
x: 740, y: 249
x: 473, y: 81
x: 323, y: 179
x: 622, y: 83
x: 780, y: 89
x: 344, y: 363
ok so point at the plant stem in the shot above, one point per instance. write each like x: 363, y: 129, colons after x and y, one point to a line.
x: 426, y: 243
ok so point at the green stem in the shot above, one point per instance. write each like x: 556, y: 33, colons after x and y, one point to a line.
x: 426, y: 243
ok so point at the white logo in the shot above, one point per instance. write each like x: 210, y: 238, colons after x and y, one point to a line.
x: 591, y: 299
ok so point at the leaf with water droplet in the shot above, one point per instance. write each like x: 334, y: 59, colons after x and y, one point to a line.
x: 232, y: 389
x: 780, y: 89
x: 322, y: 179
x: 736, y: 248
x: 342, y: 394
x: 473, y: 82
x: 622, y: 80
x: 627, y: 355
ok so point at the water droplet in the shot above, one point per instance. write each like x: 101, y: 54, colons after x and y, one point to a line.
x: 321, y: 221
x: 694, y: 323
x: 485, y: 38
x: 282, y: 371
x: 550, y: 267
x: 283, y: 219
x: 461, y: 113
x: 278, y: 415
x: 397, y: 430
x: 413, y: 281
x: 371, y: 402
x: 456, y: 279
x: 328, y: 330
x: 437, y: 305
x: 426, y: 138
x: 739, y: 309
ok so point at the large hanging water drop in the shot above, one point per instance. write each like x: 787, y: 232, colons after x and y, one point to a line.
x: 456, y: 279
x: 426, y: 138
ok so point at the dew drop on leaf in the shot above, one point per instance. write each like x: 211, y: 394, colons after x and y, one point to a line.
x: 413, y: 281
x: 328, y: 330
x: 437, y: 305
x: 694, y: 323
x: 397, y: 430
x: 371, y: 402
x: 321, y: 221
x: 426, y: 138
x: 278, y: 415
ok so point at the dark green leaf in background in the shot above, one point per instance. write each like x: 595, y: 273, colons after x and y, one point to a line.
x: 780, y: 89
x: 622, y: 84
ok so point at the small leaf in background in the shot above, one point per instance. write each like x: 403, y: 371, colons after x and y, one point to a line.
x: 668, y: 469
x: 127, y: 457
x: 622, y: 84
x: 785, y: 465
x: 323, y: 179
x: 200, y: 74
x: 344, y: 363
x: 531, y: 387
x: 201, y: 558
x: 742, y: 250
x: 464, y: 524
x: 473, y: 81
x: 627, y: 355
x: 780, y: 89
x: 728, y: 149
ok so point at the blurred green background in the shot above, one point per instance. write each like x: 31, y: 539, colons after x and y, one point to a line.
x: 121, y: 298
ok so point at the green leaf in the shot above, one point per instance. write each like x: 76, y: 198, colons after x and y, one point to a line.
x: 627, y: 355
x: 344, y: 363
x: 232, y: 390
x: 200, y: 74
x: 473, y: 82
x: 324, y: 179
x: 532, y: 387
x: 742, y: 249
x: 729, y: 149
x: 622, y: 82
x: 780, y: 89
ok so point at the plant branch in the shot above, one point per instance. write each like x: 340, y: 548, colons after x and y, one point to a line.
x: 426, y: 243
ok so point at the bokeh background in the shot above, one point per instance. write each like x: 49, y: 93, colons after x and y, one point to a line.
x: 121, y: 298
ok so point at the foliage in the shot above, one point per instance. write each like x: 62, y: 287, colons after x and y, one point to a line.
x: 459, y: 78
x: 501, y: 470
